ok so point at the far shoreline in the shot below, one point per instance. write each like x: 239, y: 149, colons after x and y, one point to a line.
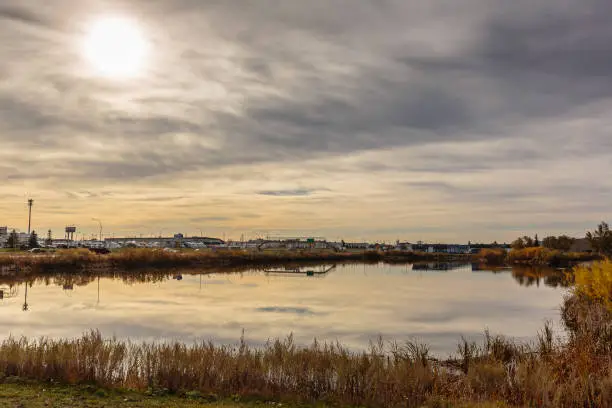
x: 77, y: 261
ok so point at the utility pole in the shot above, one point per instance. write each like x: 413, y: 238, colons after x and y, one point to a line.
x: 25, y: 306
x: 100, y: 223
x: 30, y: 204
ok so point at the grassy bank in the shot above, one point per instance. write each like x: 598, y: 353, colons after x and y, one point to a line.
x: 576, y: 372
x: 550, y: 257
x: 536, y: 256
x: 80, y: 260
x: 18, y: 393
x: 15, y: 392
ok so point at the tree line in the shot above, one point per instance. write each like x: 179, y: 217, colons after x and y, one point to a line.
x: 600, y: 240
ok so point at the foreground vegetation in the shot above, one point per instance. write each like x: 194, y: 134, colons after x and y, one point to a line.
x: 575, y: 372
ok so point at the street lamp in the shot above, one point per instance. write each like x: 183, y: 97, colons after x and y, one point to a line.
x: 99, y: 222
x: 30, y: 204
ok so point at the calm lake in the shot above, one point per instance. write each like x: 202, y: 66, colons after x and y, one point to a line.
x: 354, y: 304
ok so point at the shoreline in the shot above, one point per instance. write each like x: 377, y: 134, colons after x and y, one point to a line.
x: 142, y: 261
x: 84, y: 261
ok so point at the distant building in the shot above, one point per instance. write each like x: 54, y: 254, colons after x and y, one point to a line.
x: 63, y: 243
x: 164, y: 242
x: 23, y: 238
x: 356, y: 245
x: 441, y: 248
x: 403, y: 246
x: 581, y: 245
x: 3, y: 236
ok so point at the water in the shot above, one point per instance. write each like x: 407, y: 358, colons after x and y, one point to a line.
x: 353, y: 304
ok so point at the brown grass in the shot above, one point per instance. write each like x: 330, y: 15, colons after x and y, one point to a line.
x: 79, y: 260
x: 495, y: 256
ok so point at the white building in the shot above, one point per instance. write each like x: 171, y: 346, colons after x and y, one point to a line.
x: 23, y: 238
x: 3, y: 236
x: 356, y: 245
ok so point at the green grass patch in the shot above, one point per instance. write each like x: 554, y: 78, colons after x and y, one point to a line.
x: 35, y: 395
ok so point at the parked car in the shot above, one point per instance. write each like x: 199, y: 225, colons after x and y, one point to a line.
x: 100, y: 251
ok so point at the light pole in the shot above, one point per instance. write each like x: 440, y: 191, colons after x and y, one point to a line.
x: 99, y: 222
x: 25, y: 306
x: 30, y: 204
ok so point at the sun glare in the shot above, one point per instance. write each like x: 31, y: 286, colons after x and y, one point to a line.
x: 115, y: 47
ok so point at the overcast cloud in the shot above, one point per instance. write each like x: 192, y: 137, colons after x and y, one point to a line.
x: 387, y: 119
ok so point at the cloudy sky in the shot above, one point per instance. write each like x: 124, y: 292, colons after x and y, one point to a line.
x: 389, y: 119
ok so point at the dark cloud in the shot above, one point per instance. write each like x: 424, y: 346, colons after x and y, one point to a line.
x: 16, y: 13
x: 353, y: 81
x: 289, y: 310
x: 212, y: 218
x: 287, y: 193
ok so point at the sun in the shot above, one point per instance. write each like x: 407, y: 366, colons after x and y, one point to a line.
x: 115, y: 47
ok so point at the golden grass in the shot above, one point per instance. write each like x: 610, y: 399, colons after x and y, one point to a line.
x: 595, y: 282
x: 545, y: 256
x: 495, y: 256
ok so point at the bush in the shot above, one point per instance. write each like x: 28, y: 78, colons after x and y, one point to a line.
x: 495, y: 256
x: 594, y: 283
x: 545, y: 256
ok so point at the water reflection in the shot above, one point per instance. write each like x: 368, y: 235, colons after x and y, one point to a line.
x: 439, y: 266
x: 532, y: 275
x: 354, y: 304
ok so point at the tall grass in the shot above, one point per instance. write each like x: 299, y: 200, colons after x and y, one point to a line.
x: 595, y: 283
x: 545, y: 374
x: 494, y: 256
x: 545, y: 256
x: 78, y: 260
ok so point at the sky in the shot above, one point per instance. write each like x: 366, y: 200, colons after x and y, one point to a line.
x: 440, y: 121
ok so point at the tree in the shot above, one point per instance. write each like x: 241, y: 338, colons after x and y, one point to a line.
x: 536, y: 242
x: 49, y: 239
x: 601, y: 239
x: 550, y: 242
x: 561, y: 243
x: 529, y: 243
x: 525, y: 242
x: 33, y: 241
x: 518, y: 244
x: 565, y: 243
x: 13, y: 240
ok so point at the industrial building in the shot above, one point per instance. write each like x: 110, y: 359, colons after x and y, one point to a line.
x: 177, y: 240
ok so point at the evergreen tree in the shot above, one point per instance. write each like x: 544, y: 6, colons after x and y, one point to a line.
x: 601, y: 239
x: 13, y: 240
x: 33, y: 242
x: 536, y: 242
x: 49, y: 239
